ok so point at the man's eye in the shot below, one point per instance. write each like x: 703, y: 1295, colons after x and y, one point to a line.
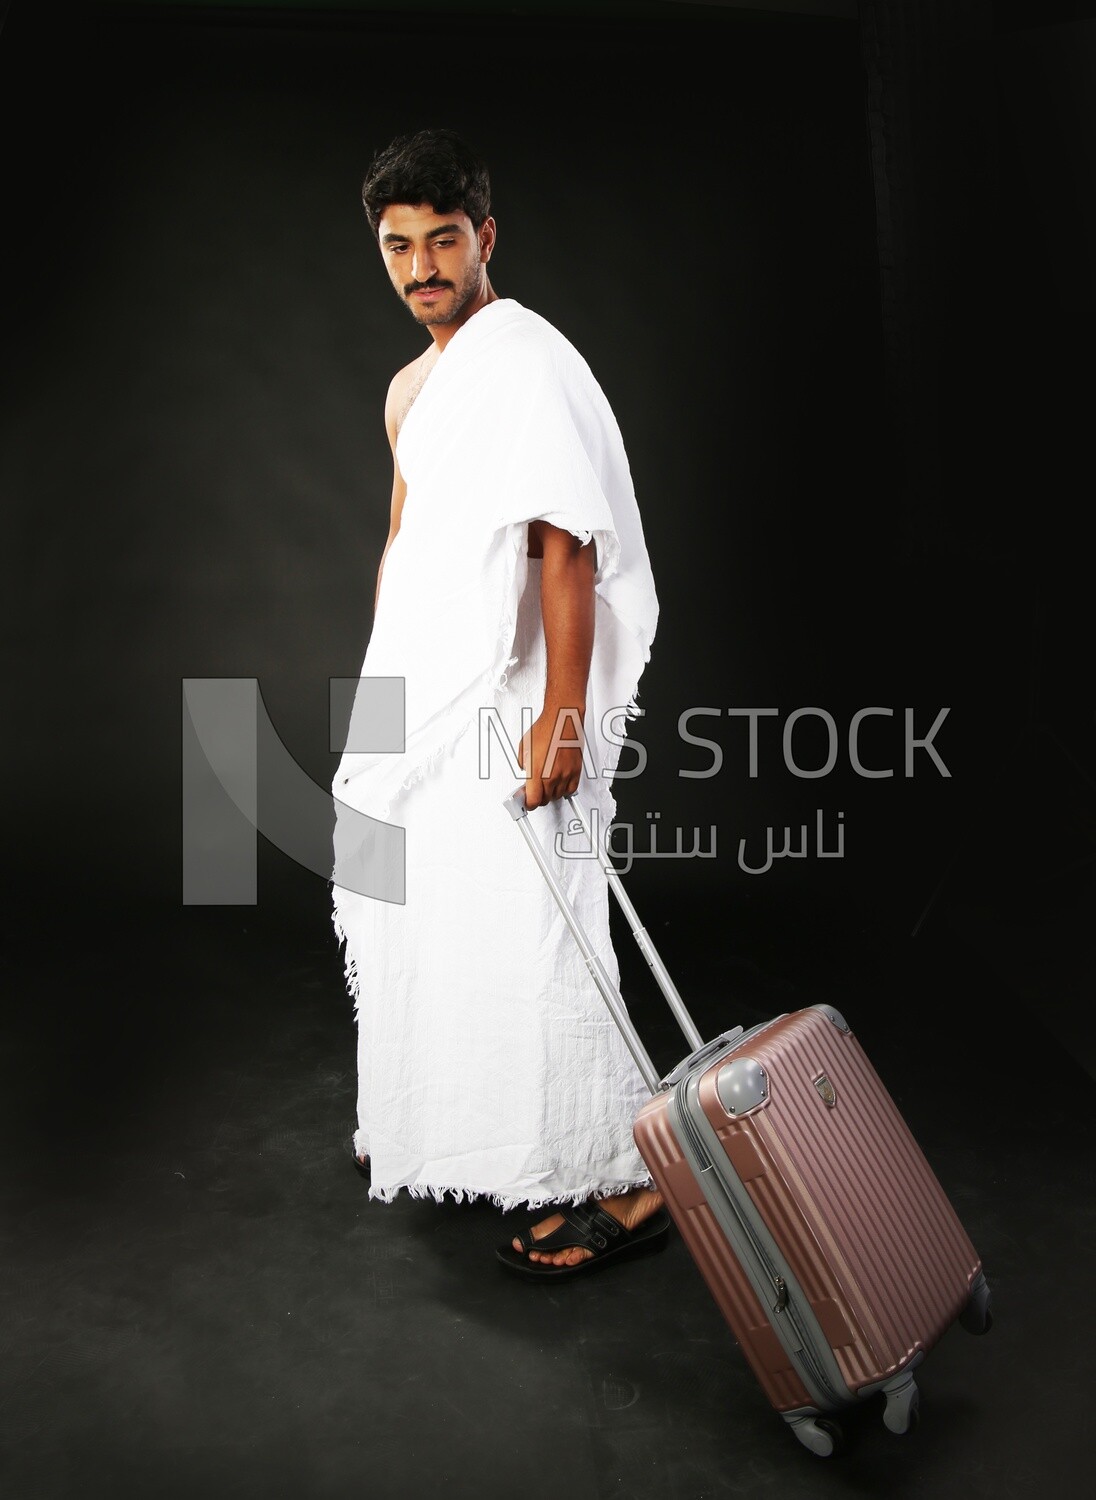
x: 442, y: 244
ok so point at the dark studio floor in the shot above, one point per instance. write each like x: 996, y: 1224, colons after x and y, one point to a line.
x: 199, y: 1300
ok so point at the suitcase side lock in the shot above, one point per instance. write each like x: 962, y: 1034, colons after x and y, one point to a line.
x: 741, y: 1085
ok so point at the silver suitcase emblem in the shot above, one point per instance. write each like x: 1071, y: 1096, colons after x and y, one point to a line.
x: 827, y: 1091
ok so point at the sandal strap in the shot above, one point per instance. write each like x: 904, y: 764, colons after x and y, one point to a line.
x: 604, y: 1229
x: 585, y: 1227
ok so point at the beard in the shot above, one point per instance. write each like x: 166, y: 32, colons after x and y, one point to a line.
x: 449, y: 310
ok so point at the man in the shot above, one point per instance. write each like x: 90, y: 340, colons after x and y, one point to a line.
x: 514, y: 598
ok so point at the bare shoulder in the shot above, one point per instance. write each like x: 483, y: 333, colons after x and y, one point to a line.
x: 403, y: 388
x: 402, y: 380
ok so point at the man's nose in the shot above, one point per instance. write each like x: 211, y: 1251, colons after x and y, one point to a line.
x: 422, y: 264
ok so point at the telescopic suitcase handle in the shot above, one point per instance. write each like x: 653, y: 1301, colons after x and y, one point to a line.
x: 515, y: 806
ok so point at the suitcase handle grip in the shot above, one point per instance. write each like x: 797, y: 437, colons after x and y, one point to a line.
x: 515, y: 805
x: 705, y: 1054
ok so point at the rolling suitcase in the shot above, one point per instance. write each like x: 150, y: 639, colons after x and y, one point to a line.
x: 818, y: 1225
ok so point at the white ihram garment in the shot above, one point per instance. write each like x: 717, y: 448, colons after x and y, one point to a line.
x: 487, y: 1062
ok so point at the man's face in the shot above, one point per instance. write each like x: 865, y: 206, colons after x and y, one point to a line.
x: 436, y: 262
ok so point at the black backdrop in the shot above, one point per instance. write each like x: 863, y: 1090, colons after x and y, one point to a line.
x: 831, y: 273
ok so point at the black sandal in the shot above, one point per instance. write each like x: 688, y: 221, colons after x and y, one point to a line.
x: 593, y: 1229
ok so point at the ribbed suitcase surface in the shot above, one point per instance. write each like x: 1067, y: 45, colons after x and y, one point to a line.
x: 854, y: 1178
x: 842, y: 1188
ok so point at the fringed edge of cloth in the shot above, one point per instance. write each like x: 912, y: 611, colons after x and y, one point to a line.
x: 439, y: 1193
x: 350, y: 963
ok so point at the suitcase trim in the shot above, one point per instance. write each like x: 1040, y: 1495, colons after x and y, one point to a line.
x: 768, y: 1272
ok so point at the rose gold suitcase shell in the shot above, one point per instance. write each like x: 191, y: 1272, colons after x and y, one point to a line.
x: 816, y: 1221
x: 810, y: 1210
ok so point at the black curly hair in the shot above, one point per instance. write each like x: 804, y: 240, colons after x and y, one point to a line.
x: 428, y: 166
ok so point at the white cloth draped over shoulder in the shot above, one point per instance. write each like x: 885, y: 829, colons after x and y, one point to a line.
x: 487, y: 1062
x: 511, y: 426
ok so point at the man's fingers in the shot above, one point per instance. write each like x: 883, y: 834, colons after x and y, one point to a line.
x: 540, y: 790
x: 555, y: 788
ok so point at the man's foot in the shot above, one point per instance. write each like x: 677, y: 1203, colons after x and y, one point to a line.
x: 588, y: 1236
x: 629, y: 1209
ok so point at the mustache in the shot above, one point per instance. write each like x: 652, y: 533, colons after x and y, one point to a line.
x: 433, y: 285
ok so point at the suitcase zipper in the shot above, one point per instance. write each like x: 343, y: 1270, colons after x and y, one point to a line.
x: 784, y: 1303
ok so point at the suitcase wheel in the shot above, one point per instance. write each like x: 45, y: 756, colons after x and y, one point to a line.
x: 901, y: 1411
x: 977, y: 1316
x: 821, y: 1435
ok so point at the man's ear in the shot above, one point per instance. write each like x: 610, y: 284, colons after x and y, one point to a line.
x: 486, y: 239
